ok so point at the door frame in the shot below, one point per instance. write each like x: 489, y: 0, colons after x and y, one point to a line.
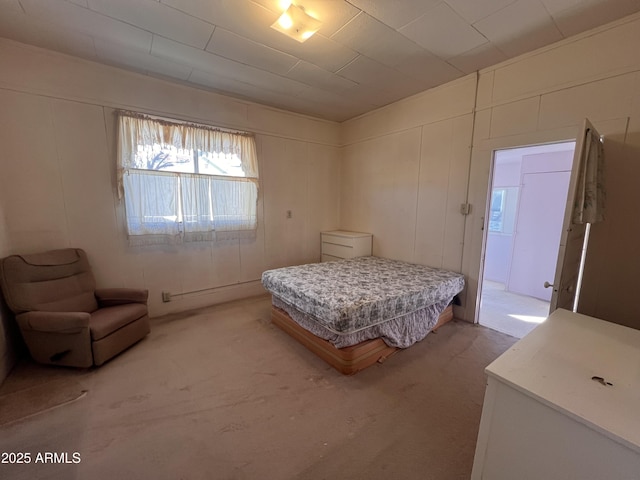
x: 487, y: 207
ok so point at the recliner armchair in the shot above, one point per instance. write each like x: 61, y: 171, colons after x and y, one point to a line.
x: 63, y: 318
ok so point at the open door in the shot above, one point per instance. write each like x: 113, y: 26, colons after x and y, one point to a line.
x: 572, y: 240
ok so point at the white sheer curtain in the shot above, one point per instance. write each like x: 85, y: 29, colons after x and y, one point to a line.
x: 152, y: 203
x: 168, y: 206
x: 590, y: 193
x: 196, y: 198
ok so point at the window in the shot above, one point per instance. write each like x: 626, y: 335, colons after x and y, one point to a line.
x: 497, y: 210
x: 185, y: 182
x: 503, y: 209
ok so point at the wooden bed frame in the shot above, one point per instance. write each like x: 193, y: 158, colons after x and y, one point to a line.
x: 348, y: 360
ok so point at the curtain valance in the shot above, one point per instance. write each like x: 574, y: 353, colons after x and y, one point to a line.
x: 137, y: 129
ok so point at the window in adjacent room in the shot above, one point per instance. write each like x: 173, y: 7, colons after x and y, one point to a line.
x: 503, y: 209
x: 497, y: 209
x: 182, y: 181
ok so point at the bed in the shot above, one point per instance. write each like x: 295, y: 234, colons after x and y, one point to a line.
x: 359, y: 311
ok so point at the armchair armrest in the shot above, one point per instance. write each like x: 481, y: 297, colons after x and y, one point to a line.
x: 54, y: 322
x: 109, y: 297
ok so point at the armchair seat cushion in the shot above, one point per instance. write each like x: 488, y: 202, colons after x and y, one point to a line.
x: 105, y: 321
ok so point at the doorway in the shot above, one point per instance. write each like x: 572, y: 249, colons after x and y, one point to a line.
x: 528, y: 188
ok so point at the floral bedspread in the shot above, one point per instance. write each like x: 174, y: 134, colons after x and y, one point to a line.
x: 350, y: 295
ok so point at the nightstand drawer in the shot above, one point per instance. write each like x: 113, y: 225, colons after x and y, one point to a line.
x: 337, y: 239
x: 340, y: 251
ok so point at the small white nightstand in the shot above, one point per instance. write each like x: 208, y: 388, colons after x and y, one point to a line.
x: 340, y: 244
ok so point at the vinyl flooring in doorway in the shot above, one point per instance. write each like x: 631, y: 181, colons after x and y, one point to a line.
x: 509, y: 312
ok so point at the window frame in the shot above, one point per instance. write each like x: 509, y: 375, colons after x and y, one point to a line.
x: 211, y: 200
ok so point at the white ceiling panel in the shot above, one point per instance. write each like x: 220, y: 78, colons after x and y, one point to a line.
x: 274, y: 83
x: 587, y: 15
x: 361, y: 33
x: 428, y: 68
x: 366, y: 71
x: 555, y: 6
x: 242, y: 17
x: 521, y: 27
x: 396, y: 13
x: 378, y: 41
x: 304, y: 101
x: 312, y: 95
x: 208, y: 62
x: 18, y: 26
x: 443, y: 32
x: 11, y: 6
x: 315, y: 76
x: 221, y: 83
x: 158, y: 18
x: 370, y: 94
x: 366, y: 54
x: 225, y: 13
x: 139, y: 60
x: 475, y: 10
x: 76, y: 18
x: 200, y: 59
x: 240, y: 49
x: 254, y: 21
x: 322, y: 51
x: 478, y: 58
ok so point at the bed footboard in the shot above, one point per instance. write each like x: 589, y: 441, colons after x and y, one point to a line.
x: 348, y: 360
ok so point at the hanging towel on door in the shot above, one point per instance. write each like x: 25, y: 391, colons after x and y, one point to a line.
x: 590, y: 194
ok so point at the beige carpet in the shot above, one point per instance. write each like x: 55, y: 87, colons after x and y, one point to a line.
x: 223, y: 394
x: 37, y: 399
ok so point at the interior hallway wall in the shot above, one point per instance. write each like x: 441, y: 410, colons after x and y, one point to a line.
x: 58, y: 127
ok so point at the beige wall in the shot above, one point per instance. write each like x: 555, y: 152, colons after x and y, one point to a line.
x: 58, y: 177
x: 404, y: 175
x: 405, y: 167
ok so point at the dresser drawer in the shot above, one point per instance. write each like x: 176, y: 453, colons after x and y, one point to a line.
x: 340, y: 251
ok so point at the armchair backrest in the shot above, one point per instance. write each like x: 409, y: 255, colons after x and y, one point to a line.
x: 53, y: 281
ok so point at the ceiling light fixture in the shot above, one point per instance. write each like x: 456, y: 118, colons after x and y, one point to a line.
x: 297, y: 24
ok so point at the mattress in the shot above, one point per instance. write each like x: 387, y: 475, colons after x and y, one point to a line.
x: 351, y: 300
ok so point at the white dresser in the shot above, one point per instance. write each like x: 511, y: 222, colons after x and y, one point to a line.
x: 544, y: 417
x: 339, y: 244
